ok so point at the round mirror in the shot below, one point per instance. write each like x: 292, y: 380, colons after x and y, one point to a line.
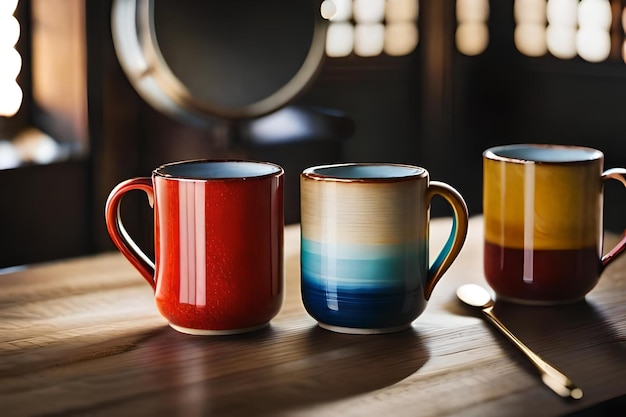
x: 198, y: 60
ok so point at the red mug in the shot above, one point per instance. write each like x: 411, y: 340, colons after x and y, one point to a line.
x: 218, y: 234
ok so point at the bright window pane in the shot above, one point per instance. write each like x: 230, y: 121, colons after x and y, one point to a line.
x: 472, y: 38
x: 402, y: 10
x: 328, y: 9
x: 530, y: 11
x: 9, y: 31
x: 369, y: 11
x: 561, y: 41
x: 369, y: 39
x: 593, y: 45
x: 7, y: 7
x: 562, y: 12
x: 472, y: 11
x: 595, y: 13
x: 339, y: 39
x: 400, y: 38
x: 10, y: 60
x: 343, y: 10
x: 530, y: 39
x: 11, y: 98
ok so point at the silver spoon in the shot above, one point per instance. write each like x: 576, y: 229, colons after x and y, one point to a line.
x: 476, y: 296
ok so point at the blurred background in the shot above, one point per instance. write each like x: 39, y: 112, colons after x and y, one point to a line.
x: 95, y: 92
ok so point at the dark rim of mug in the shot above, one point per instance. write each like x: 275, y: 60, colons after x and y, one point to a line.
x: 496, y: 154
x: 314, y: 174
x: 161, y: 171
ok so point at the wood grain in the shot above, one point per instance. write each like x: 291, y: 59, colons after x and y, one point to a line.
x: 83, y: 337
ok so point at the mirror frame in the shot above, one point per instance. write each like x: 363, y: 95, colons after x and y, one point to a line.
x: 137, y: 49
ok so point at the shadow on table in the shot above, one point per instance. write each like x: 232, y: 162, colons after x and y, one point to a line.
x: 611, y: 408
x: 578, y: 339
x: 569, y: 332
x: 268, y: 372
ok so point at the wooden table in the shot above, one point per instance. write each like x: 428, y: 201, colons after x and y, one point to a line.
x: 83, y: 337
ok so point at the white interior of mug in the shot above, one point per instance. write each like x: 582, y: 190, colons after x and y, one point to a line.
x: 544, y: 153
x: 365, y: 171
x: 205, y: 169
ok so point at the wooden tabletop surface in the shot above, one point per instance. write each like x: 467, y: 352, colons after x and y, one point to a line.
x: 83, y: 337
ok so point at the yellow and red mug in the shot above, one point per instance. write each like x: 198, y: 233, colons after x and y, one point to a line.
x: 543, y: 212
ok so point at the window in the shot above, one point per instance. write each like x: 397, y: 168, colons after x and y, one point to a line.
x: 472, y: 33
x: 369, y: 28
x: 11, y: 97
x: 43, y: 131
x: 43, y: 111
x: 566, y: 28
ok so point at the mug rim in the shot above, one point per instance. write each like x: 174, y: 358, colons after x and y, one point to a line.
x: 161, y: 170
x: 496, y: 153
x: 314, y: 174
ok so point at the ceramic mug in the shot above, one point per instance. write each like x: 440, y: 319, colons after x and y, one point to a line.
x: 218, y: 232
x: 543, y: 207
x: 364, y: 244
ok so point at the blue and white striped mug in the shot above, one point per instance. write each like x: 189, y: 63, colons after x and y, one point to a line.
x: 364, y: 247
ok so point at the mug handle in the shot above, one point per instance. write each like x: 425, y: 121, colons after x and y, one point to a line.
x: 117, y: 231
x: 457, y: 236
x: 618, y: 174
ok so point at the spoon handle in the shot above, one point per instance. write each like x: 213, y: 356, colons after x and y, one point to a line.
x: 551, y: 377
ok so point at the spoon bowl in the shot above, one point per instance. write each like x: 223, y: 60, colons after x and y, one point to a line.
x: 474, y: 295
